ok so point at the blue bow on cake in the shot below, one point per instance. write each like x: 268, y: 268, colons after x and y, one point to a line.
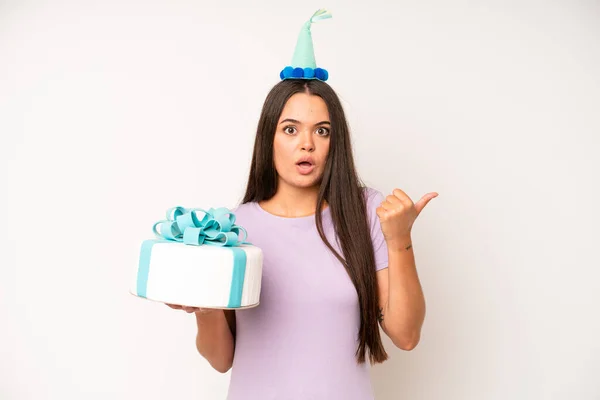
x: 215, y: 227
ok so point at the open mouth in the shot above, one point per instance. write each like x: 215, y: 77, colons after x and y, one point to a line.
x: 305, y: 167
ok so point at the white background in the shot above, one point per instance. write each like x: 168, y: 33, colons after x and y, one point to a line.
x: 111, y: 112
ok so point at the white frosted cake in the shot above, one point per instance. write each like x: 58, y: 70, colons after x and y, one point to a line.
x: 195, y: 272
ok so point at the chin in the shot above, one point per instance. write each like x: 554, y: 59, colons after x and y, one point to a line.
x: 303, y: 182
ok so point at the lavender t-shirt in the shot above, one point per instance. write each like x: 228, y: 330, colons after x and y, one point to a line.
x: 300, y: 341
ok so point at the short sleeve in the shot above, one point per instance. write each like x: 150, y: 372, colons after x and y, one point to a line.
x: 374, y: 199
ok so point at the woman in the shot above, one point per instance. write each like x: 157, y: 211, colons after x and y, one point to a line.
x: 338, y: 261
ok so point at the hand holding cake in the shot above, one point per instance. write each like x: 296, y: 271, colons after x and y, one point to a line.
x: 190, y: 310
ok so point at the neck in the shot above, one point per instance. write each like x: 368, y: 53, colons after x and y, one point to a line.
x: 292, y: 202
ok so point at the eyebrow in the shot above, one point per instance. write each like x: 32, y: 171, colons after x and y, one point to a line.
x: 294, y: 121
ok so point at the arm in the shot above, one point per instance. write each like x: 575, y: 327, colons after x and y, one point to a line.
x: 215, y: 340
x: 401, y: 300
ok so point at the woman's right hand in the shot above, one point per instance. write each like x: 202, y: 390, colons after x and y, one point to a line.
x: 189, y: 310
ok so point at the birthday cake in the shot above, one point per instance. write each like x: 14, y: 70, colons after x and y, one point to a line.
x: 200, y: 259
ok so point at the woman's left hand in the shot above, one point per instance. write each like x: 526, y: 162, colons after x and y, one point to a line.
x: 397, y: 214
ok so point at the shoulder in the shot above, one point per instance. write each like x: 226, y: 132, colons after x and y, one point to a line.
x: 244, y: 210
x: 373, y: 197
x: 247, y: 216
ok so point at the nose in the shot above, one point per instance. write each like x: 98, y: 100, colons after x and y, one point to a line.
x: 307, y: 141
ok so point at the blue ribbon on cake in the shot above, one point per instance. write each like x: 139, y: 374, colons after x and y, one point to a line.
x: 216, y: 227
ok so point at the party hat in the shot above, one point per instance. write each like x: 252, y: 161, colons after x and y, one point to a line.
x: 303, y: 64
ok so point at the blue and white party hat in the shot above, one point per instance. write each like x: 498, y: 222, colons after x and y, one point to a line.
x: 303, y: 64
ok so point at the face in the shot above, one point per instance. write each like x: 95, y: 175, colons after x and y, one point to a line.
x: 301, y: 141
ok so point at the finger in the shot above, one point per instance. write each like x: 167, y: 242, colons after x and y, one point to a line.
x: 386, y: 205
x: 392, y: 199
x: 174, y: 306
x: 381, y: 212
x: 399, y: 193
x: 189, y: 309
x: 420, y: 205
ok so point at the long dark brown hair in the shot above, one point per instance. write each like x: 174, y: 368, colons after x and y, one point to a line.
x: 340, y: 187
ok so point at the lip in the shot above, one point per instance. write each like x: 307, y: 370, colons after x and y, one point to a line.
x: 307, y: 159
x: 305, y: 170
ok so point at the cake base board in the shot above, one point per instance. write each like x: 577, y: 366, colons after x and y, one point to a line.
x: 211, y: 307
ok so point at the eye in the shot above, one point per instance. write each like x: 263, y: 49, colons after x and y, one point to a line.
x: 323, y: 131
x: 290, y: 130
